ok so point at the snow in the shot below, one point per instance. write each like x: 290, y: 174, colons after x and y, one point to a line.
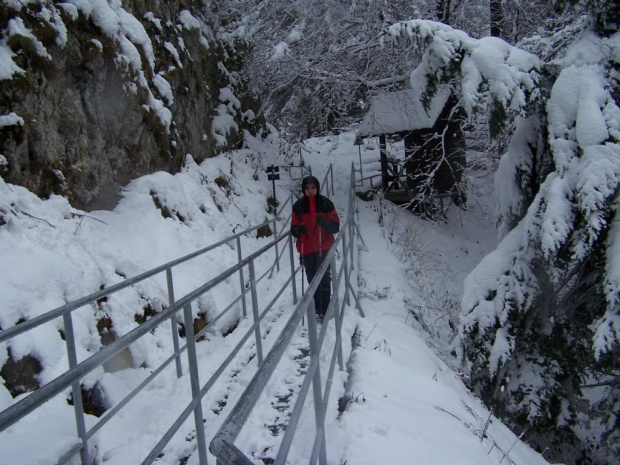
x: 16, y: 27
x: 188, y: 21
x: 164, y: 88
x: 509, y: 202
x: 53, y: 17
x: 557, y: 223
x: 133, y: 29
x: 224, y: 123
x: 153, y: 19
x: 280, y: 51
x: 296, y: 34
x: 508, y: 71
x: 576, y: 102
x: 591, y: 49
x: 7, y: 65
x: 570, y: 210
x: 174, y: 52
x: 135, y: 47
x: 482, y: 282
x: 405, y: 403
x: 395, y: 112
x: 134, y: 51
x: 11, y: 119
x: 227, y: 97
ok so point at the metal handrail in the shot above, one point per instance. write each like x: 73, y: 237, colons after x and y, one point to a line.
x: 27, y: 325
x: 360, y: 182
x: 328, y: 181
x: 77, y: 371
x: 222, y: 445
x: 110, y: 413
x: 303, y: 171
x: 214, y: 377
x: 17, y: 411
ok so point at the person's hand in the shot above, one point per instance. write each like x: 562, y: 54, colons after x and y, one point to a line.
x: 298, y: 230
x: 328, y: 226
x: 322, y: 222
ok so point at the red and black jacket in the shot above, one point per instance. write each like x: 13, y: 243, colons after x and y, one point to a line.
x: 319, y: 233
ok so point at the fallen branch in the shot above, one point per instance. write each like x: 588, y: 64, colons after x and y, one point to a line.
x: 40, y: 219
x: 82, y: 216
x: 88, y: 216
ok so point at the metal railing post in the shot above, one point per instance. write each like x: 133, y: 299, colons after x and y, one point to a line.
x: 259, y: 345
x: 76, y: 389
x: 292, y: 256
x: 345, y: 264
x: 77, y: 371
x: 275, y: 238
x: 351, y: 217
x: 319, y: 417
x: 244, y: 304
x: 195, y: 383
x: 337, y: 314
x: 173, y: 324
x: 352, y: 237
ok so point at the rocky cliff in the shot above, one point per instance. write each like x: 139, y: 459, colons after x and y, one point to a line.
x: 94, y: 93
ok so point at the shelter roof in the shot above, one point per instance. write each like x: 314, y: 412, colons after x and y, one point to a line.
x: 401, y: 111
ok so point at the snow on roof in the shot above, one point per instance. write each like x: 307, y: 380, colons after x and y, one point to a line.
x: 395, y: 112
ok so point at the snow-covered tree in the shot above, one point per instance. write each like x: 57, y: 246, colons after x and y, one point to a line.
x: 540, y: 322
x: 316, y: 63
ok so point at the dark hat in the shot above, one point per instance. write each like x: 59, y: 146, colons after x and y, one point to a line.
x: 310, y: 180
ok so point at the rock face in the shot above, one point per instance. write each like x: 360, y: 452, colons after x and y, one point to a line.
x: 94, y: 94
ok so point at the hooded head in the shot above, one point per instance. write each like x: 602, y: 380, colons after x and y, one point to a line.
x: 310, y: 180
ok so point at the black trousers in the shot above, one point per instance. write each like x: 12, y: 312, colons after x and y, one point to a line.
x: 312, y: 263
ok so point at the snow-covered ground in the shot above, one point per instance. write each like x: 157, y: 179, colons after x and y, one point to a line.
x: 406, y: 403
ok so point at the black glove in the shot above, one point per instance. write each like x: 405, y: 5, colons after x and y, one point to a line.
x: 298, y: 230
x: 329, y: 227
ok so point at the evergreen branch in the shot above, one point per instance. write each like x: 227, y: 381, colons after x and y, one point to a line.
x: 612, y: 382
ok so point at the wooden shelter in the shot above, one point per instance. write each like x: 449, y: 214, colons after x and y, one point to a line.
x: 434, y: 158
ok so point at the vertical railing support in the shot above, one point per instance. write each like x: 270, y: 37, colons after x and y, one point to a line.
x: 275, y: 239
x: 244, y: 304
x: 195, y: 383
x: 319, y: 417
x: 173, y: 323
x: 292, y: 256
x: 345, y: 264
x: 351, y: 238
x: 259, y: 344
x: 76, y: 390
x: 337, y: 314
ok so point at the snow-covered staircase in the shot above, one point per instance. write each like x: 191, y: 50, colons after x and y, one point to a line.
x: 215, y: 374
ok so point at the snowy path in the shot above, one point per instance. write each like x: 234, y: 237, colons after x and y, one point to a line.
x: 402, y: 398
x: 404, y: 404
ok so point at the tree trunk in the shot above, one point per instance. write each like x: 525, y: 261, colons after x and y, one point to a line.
x: 443, y: 11
x: 497, y: 17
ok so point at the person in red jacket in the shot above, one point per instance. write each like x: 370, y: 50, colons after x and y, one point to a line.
x: 314, y: 222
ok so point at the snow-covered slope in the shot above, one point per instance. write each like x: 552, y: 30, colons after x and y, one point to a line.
x: 404, y: 404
